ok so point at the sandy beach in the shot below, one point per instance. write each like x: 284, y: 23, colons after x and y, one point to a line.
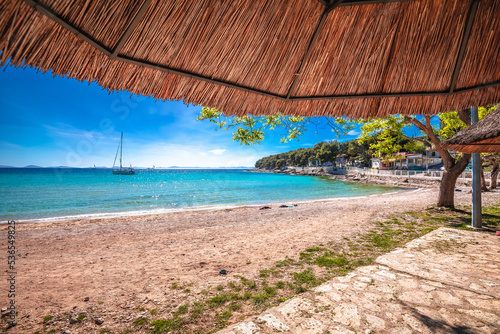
x: 112, y: 267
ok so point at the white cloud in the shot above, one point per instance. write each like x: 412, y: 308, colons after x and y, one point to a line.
x: 162, y: 154
x: 218, y: 151
x: 353, y: 133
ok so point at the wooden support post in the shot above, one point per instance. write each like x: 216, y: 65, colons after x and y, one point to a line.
x: 476, y: 180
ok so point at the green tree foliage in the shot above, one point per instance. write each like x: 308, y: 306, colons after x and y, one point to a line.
x: 249, y: 130
x: 388, y: 130
x: 322, y: 151
x: 326, y: 151
x: 387, y: 137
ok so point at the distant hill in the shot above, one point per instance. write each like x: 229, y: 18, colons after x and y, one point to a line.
x: 32, y: 166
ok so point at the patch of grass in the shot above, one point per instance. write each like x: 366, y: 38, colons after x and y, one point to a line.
x: 140, y: 309
x: 153, y: 312
x: 219, y: 300
x: 270, y: 290
x: 260, y: 298
x: 197, y: 309
x: 307, y: 276
x: 234, y: 306
x: 140, y: 322
x: 81, y: 317
x: 264, y: 273
x: 331, y: 260
x: 284, y: 263
x: 219, y: 288
x: 315, y: 249
x: 306, y: 256
x: 175, y: 286
x: 235, y: 287
x: 280, y: 285
x: 164, y: 326
x: 47, y: 318
x: 181, y: 310
x: 250, y: 284
x: 382, y: 241
x: 224, y: 315
x: 222, y: 319
x: 105, y: 330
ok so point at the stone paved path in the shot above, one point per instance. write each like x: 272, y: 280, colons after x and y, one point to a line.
x: 448, y: 281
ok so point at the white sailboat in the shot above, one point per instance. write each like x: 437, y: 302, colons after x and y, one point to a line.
x: 122, y: 170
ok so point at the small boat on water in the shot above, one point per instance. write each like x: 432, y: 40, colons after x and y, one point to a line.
x: 122, y: 170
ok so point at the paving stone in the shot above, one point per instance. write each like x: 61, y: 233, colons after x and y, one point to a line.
x: 312, y: 326
x: 272, y: 322
x: 374, y: 322
x: 415, y: 324
x: 347, y: 314
x: 294, y: 306
x: 447, y: 298
x: 248, y: 328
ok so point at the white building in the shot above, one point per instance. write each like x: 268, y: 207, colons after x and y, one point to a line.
x: 403, y: 160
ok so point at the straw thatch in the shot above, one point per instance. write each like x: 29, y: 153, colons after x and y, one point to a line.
x: 356, y: 58
x: 483, y: 136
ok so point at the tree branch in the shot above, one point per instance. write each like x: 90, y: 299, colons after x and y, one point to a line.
x: 427, y: 128
x: 423, y: 141
x: 464, y: 116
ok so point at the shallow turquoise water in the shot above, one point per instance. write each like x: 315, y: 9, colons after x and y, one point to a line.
x: 43, y: 193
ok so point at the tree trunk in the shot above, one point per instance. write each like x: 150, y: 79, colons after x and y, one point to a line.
x: 447, y: 188
x: 494, y: 174
x: 483, y: 181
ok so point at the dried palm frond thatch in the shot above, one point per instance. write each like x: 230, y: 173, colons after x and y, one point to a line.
x: 483, y: 136
x: 364, y: 59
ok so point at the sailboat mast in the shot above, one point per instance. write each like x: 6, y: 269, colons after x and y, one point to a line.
x: 121, y: 150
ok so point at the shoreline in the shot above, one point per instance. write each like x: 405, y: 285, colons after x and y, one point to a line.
x: 154, y: 212
x: 162, y: 211
x: 357, y: 177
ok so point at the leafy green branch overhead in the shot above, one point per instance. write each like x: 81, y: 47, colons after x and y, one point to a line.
x: 249, y: 130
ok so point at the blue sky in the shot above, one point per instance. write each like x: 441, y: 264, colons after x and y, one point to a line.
x: 55, y: 121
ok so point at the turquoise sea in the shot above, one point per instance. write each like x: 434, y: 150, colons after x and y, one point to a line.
x: 41, y: 193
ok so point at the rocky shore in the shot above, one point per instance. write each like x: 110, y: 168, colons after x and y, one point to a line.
x: 350, y: 176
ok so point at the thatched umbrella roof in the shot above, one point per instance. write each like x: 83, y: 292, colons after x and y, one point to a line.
x: 483, y: 136
x: 358, y: 58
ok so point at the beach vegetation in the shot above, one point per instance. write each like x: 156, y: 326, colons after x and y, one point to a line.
x: 105, y: 330
x: 166, y: 325
x: 47, y: 318
x: 315, y: 249
x: 81, y: 317
x: 153, y: 312
x: 219, y: 288
x: 306, y: 276
x: 140, y: 321
x: 284, y: 263
x: 197, y: 309
x: 331, y: 260
x: 234, y: 306
x: 181, y: 310
x: 220, y: 299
